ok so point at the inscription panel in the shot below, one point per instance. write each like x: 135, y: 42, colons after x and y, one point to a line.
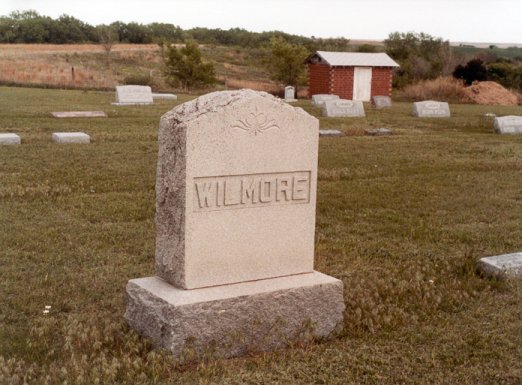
x: 251, y: 191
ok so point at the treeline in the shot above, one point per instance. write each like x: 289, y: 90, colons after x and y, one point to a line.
x: 31, y: 27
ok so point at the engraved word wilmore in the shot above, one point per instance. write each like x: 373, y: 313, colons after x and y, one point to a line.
x: 254, y: 190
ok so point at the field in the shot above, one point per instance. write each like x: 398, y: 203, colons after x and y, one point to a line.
x: 401, y: 220
x: 88, y: 66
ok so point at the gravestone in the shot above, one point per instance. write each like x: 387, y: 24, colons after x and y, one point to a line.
x: 79, y: 114
x: 319, y: 99
x: 133, y: 95
x: 290, y: 94
x: 431, y: 109
x: 164, y: 96
x: 235, y: 222
x: 380, y: 101
x: 9, y: 139
x: 343, y: 108
x: 501, y: 266
x: 330, y: 133
x: 71, y: 137
x: 378, y: 131
x: 508, y: 124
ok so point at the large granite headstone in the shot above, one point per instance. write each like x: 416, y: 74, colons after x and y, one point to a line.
x: 380, y: 101
x: 133, y: 95
x: 431, y: 109
x: 501, y: 266
x: 235, y: 221
x: 508, y: 124
x: 319, y: 99
x: 343, y: 108
x: 9, y: 139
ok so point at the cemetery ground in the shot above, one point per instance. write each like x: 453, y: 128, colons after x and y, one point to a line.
x: 401, y: 220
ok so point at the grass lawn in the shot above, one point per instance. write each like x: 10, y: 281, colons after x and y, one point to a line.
x: 400, y: 219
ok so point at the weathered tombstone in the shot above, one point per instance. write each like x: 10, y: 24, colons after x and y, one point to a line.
x: 330, y: 133
x: 133, y: 95
x: 9, y: 139
x: 378, y: 132
x: 431, y: 109
x: 235, y: 221
x: 290, y: 94
x: 319, y: 99
x: 71, y: 137
x: 343, y: 108
x: 508, y: 124
x: 164, y: 96
x: 79, y: 114
x: 380, y: 101
x: 502, y: 266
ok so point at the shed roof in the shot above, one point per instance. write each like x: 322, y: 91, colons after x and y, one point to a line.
x: 362, y: 59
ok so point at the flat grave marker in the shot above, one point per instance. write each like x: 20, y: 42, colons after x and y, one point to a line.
x: 71, y: 137
x: 330, y: 133
x: 510, y: 124
x: 343, y: 108
x: 9, y: 139
x: 164, y: 96
x: 380, y: 101
x: 319, y: 99
x: 79, y: 114
x: 431, y: 109
x: 235, y: 239
x: 506, y: 265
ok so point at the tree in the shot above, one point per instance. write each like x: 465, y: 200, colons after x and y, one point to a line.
x: 474, y: 70
x: 185, y: 67
x: 287, y: 62
x: 107, y: 37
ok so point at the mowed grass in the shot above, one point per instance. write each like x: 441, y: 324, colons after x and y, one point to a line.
x: 400, y: 219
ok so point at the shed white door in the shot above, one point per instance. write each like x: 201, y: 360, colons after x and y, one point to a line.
x: 362, y: 84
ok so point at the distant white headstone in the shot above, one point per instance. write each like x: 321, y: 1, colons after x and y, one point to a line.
x: 330, y: 133
x: 509, y: 265
x: 131, y: 95
x: 431, y: 109
x: 508, y: 124
x: 9, y: 139
x: 290, y: 94
x: 381, y: 101
x: 378, y: 132
x: 343, y: 108
x: 79, y: 114
x: 319, y: 99
x: 71, y: 137
x: 164, y: 96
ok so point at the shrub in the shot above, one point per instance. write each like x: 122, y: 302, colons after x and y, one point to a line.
x: 443, y: 88
x: 140, y: 79
x: 474, y: 70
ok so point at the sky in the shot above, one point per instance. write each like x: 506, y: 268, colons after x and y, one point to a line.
x: 496, y: 21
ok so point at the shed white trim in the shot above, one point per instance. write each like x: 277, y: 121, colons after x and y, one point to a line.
x: 358, y: 59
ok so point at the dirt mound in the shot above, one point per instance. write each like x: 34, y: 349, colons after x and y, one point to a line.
x: 490, y: 93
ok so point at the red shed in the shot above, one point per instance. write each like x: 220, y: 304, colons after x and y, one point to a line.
x: 351, y: 75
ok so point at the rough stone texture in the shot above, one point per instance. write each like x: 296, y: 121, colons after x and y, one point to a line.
x: 71, y: 137
x: 233, y: 320
x: 79, y: 114
x: 431, y: 109
x: 9, y: 139
x: 164, y: 96
x: 508, y: 124
x: 318, y: 100
x: 133, y: 95
x: 343, y: 108
x: 380, y: 101
x: 330, y: 133
x: 211, y: 151
x: 378, y: 132
x: 501, y: 266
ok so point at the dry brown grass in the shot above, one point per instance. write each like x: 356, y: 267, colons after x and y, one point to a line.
x: 443, y: 88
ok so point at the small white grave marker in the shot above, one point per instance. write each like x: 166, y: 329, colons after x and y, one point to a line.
x: 508, y: 124
x: 330, y: 133
x: 431, y: 109
x: 71, y: 137
x: 506, y: 265
x: 290, y: 94
x: 9, y: 139
x: 79, y: 114
x: 133, y: 95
